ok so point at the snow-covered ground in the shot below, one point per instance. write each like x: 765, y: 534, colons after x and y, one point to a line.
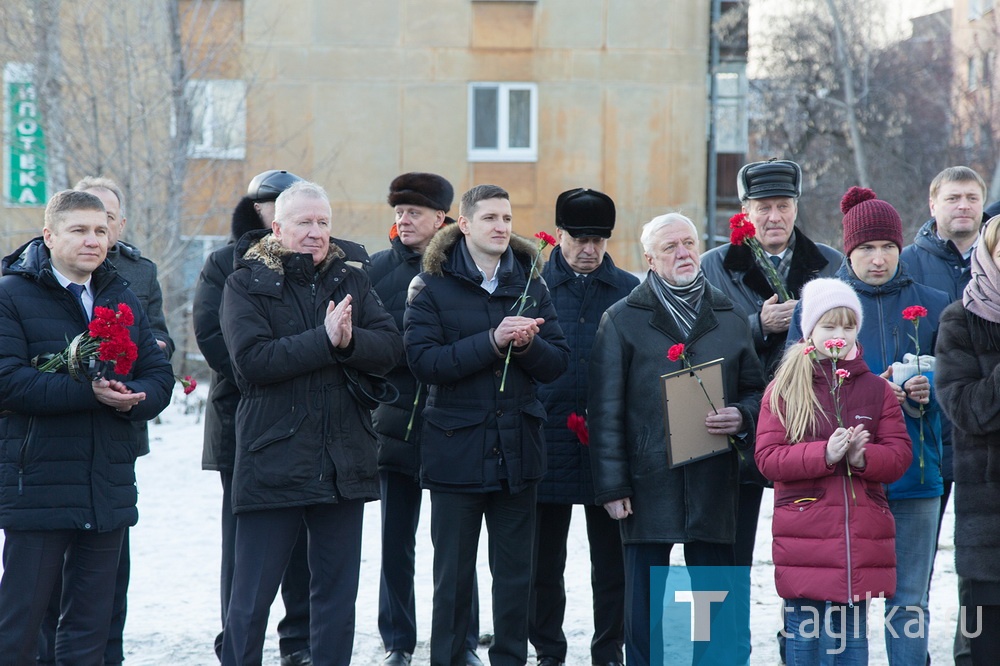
x: 174, y: 596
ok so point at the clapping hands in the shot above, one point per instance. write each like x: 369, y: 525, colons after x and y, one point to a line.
x: 338, y: 322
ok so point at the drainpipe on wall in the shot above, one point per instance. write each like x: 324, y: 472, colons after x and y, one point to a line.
x: 713, y: 94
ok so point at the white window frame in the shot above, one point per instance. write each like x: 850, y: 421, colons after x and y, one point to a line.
x: 208, y: 149
x: 979, y: 8
x: 201, y: 245
x: 736, y: 105
x: 503, y: 152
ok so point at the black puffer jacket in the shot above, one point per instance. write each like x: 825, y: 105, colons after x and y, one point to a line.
x: 67, y: 461
x: 967, y: 380
x: 219, y: 447
x: 579, y: 303
x: 694, y: 502
x: 474, y: 436
x: 391, y: 272
x: 301, y: 438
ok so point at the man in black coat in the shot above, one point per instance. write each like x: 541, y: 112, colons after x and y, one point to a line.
x: 659, y: 506
x: 255, y: 211
x: 420, y: 202
x: 583, y: 282
x: 481, y: 333
x: 302, y: 326
x: 68, y: 444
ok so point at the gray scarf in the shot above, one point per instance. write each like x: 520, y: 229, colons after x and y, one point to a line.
x: 682, y: 303
x: 982, y: 294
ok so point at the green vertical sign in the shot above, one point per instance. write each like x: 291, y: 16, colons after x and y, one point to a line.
x: 24, y: 140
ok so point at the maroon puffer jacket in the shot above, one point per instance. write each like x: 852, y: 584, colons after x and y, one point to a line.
x: 834, y: 537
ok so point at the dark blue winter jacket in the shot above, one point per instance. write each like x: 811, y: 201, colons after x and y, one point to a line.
x: 67, y: 461
x: 579, y: 301
x: 475, y: 437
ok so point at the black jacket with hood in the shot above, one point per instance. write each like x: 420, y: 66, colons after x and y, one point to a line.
x: 301, y: 437
x: 476, y: 437
x: 219, y: 447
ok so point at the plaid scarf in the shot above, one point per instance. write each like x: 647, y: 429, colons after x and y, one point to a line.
x: 682, y: 303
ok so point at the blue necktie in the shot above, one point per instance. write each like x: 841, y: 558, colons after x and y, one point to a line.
x: 77, y: 291
x: 775, y: 261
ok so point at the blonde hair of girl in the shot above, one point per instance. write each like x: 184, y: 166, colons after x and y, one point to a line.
x: 793, y: 398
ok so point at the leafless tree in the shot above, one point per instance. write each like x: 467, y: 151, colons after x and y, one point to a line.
x: 853, y: 106
x: 113, y: 88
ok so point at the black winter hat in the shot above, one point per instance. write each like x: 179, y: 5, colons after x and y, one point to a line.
x: 421, y: 189
x: 584, y: 212
x: 773, y: 178
x: 268, y: 185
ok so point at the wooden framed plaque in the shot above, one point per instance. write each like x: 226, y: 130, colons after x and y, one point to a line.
x: 684, y: 410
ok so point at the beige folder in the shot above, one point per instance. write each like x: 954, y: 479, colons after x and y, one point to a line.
x: 685, y: 407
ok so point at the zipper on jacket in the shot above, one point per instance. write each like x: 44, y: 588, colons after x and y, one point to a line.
x: 881, y: 318
x: 23, y: 454
x: 847, y: 538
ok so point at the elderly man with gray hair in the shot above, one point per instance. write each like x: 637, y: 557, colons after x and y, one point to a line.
x: 302, y: 325
x: 659, y: 506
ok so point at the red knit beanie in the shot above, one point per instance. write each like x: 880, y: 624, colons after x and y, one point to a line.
x: 867, y: 219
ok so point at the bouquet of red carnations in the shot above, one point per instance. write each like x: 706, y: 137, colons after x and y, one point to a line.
x: 106, y: 340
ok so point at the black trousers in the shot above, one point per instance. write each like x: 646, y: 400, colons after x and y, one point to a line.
x: 293, y: 629
x: 456, y: 521
x: 397, y: 613
x: 264, y: 543
x: 34, y: 561
x: 747, y: 517
x: 638, y: 559
x: 114, y: 653
x: 607, y: 580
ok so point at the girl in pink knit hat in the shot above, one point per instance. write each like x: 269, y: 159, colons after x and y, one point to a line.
x: 830, y: 433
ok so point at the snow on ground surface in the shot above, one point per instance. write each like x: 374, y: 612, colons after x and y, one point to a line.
x: 174, y: 596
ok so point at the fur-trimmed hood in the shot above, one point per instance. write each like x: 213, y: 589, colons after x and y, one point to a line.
x: 262, y: 247
x: 439, y: 250
x: 273, y: 254
x: 245, y: 218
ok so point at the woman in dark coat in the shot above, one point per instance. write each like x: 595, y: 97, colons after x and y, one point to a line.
x: 967, y: 380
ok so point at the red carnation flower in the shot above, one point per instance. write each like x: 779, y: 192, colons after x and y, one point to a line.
x: 742, y: 229
x: 914, y: 312
x: 547, y: 239
x: 578, y: 425
x: 676, y: 352
x: 188, y: 382
x: 522, y: 300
